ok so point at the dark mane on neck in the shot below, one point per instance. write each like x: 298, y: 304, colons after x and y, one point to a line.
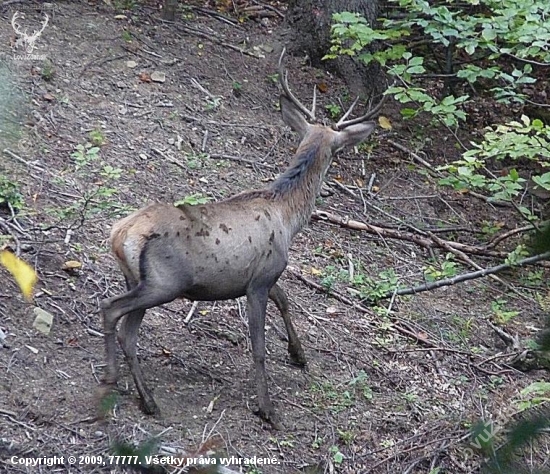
x: 265, y: 193
x: 294, y: 175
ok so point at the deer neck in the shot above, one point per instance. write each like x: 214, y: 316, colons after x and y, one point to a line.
x: 298, y: 187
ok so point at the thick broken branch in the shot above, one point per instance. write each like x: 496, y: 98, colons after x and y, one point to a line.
x: 422, y: 241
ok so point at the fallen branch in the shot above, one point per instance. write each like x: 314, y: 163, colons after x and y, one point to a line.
x: 363, y: 309
x: 497, y: 239
x: 190, y: 118
x: 462, y: 256
x: 385, y: 232
x: 466, y: 276
x: 414, y: 155
x: 215, y: 39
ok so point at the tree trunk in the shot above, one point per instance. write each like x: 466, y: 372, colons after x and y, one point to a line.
x: 169, y: 10
x: 309, y: 24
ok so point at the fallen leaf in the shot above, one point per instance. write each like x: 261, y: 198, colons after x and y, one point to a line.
x: 120, y: 17
x: 22, y: 272
x: 144, y: 77
x: 384, y: 122
x: 47, y: 96
x: 43, y: 321
x: 204, y: 312
x: 71, y: 265
x: 131, y: 64
x: 323, y: 87
x: 315, y: 271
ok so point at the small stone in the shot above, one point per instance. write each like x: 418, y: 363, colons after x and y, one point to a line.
x: 158, y: 76
x: 43, y: 321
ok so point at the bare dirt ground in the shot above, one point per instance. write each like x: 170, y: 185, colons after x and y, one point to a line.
x: 390, y: 389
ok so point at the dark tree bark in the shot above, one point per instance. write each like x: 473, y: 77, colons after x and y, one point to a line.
x: 308, y: 31
x: 169, y: 10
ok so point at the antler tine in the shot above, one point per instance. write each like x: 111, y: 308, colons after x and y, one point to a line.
x: 283, y: 80
x: 346, y: 123
x: 44, y: 25
x: 15, y: 26
x: 346, y: 115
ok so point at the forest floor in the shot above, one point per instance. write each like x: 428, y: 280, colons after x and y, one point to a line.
x: 389, y: 388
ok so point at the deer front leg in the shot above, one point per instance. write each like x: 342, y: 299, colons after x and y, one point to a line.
x: 256, y: 306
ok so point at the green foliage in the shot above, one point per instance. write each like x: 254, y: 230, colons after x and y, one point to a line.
x: 110, y: 172
x: 193, y: 200
x: 339, y: 397
x: 136, y: 455
x: 96, y: 137
x: 85, y: 154
x: 500, y: 314
x: 517, y: 254
x: 47, y: 71
x: 510, y: 142
x: 447, y: 269
x: 423, y: 35
x: 126, y: 36
x: 337, y: 456
x: 362, y: 285
x: 121, y: 5
x: 334, y: 110
x: 213, y: 103
x: 373, y: 290
x: 9, y: 193
x: 273, y: 78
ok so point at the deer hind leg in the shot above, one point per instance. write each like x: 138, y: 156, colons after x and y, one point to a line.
x: 127, y: 338
x: 278, y: 296
x: 132, y: 305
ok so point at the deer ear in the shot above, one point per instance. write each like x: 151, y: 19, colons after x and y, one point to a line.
x: 352, y: 135
x: 293, y: 117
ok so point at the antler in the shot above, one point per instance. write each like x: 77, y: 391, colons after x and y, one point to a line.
x: 283, y: 79
x: 15, y: 26
x: 37, y: 33
x: 343, y: 123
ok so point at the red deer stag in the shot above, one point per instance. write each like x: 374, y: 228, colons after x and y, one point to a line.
x: 228, y: 249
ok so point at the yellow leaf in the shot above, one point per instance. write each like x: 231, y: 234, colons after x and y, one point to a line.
x: 22, y: 272
x: 384, y: 122
x: 204, y: 312
x: 315, y: 271
x: 71, y: 265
